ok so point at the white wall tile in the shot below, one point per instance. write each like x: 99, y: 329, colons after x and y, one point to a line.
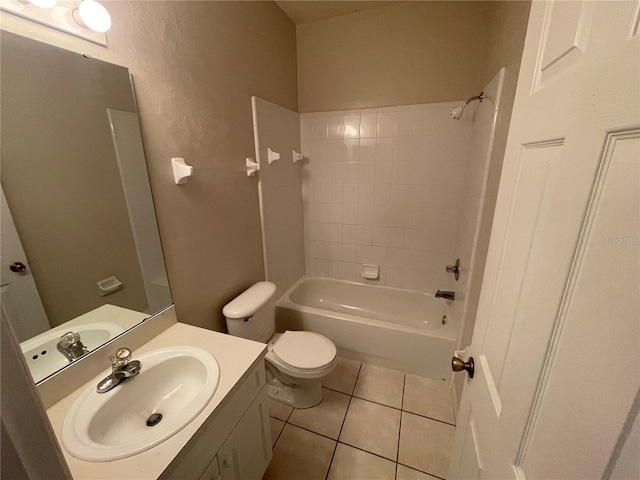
x: 368, y: 125
x: 366, y: 172
x: 335, y: 126
x: 384, y: 172
x: 381, y: 215
x: 384, y: 149
x: 319, y: 128
x: 403, y: 149
x: 396, y: 237
x: 423, y: 122
x: 350, y: 214
x: 335, y: 269
x: 352, y: 126
x: 395, y: 257
x: 349, y: 233
x: 398, y: 175
x: 350, y: 173
x: 367, y: 150
x: 363, y: 254
x: 391, y: 276
x: 363, y: 234
x: 404, y: 123
x: 365, y: 194
x: 379, y: 236
x: 352, y: 150
x: 365, y: 214
x: 349, y: 252
x: 386, y: 124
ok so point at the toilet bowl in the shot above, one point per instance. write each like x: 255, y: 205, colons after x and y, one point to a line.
x: 296, y: 361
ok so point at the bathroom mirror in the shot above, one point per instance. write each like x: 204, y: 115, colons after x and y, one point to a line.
x: 80, y: 245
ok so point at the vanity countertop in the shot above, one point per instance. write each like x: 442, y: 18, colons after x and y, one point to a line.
x: 236, y: 357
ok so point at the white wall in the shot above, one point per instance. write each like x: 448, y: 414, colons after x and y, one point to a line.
x: 278, y: 128
x: 382, y: 186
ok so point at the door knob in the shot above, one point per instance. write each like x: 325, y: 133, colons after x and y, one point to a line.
x: 17, y: 267
x: 458, y: 365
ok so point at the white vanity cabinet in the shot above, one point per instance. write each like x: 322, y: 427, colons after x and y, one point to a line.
x: 234, y: 443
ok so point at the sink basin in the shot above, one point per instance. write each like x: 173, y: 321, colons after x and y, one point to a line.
x: 41, y: 353
x: 175, y: 382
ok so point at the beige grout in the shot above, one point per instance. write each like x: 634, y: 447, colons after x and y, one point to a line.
x: 351, y: 397
x: 346, y: 412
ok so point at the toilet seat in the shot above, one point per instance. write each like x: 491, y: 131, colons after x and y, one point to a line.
x: 302, y: 354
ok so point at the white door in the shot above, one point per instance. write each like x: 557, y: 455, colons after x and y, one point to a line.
x: 557, y: 337
x: 21, y: 303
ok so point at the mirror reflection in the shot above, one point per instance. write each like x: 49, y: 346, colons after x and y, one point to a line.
x: 80, y: 246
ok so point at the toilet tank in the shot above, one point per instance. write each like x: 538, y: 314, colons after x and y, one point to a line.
x: 251, y: 314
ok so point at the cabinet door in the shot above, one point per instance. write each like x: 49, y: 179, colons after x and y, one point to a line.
x: 247, y: 452
x: 212, y: 472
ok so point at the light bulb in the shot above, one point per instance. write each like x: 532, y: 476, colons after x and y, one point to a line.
x: 94, y: 16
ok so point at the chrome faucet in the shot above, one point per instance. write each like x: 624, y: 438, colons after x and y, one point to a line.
x: 71, y: 346
x: 445, y: 294
x: 122, y: 367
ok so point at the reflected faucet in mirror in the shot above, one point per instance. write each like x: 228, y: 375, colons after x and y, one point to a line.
x: 70, y: 345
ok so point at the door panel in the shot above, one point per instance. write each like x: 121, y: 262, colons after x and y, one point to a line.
x: 526, y: 220
x: 557, y: 337
x: 584, y: 371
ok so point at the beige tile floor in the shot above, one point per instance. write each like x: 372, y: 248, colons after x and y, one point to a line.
x: 373, y: 423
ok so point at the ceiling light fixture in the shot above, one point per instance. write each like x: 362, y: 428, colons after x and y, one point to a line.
x: 93, y: 15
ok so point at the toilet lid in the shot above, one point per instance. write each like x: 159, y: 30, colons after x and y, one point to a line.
x: 304, y: 350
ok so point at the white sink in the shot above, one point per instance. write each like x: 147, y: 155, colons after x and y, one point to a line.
x: 175, y: 382
x: 42, y: 356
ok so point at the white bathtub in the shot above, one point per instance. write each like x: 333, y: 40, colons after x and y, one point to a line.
x: 389, y: 327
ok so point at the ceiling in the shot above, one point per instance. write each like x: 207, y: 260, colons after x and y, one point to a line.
x: 307, y: 11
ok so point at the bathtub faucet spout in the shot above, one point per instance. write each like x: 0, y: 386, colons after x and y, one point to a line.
x: 445, y: 294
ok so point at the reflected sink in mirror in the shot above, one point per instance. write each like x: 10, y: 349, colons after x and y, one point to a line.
x: 95, y: 328
x: 43, y: 357
x: 175, y: 382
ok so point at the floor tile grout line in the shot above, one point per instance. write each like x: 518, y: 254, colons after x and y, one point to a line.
x: 342, y: 426
x: 407, y: 411
x: 367, y: 451
x: 421, y: 471
x: 351, y: 396
x: 352, y: 446
x: 337, y: 391
x: 279, y: 435
x: 404, y: 382
x: 311, y: 431
x: 429, y: 418
x: 382, y: 405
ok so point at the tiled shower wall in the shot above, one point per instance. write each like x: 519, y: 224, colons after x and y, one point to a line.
x: 278, y: 128
x: 382, y: 186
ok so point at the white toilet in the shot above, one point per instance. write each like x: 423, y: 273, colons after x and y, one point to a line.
x: 296, y: 361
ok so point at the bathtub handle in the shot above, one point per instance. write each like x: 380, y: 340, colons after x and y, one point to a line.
x: 458, y: 365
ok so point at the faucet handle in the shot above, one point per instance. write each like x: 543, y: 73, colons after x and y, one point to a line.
x: 121, y: 358
x: 69, y: 339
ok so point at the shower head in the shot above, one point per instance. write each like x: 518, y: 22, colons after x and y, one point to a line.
x: 456, y: 113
